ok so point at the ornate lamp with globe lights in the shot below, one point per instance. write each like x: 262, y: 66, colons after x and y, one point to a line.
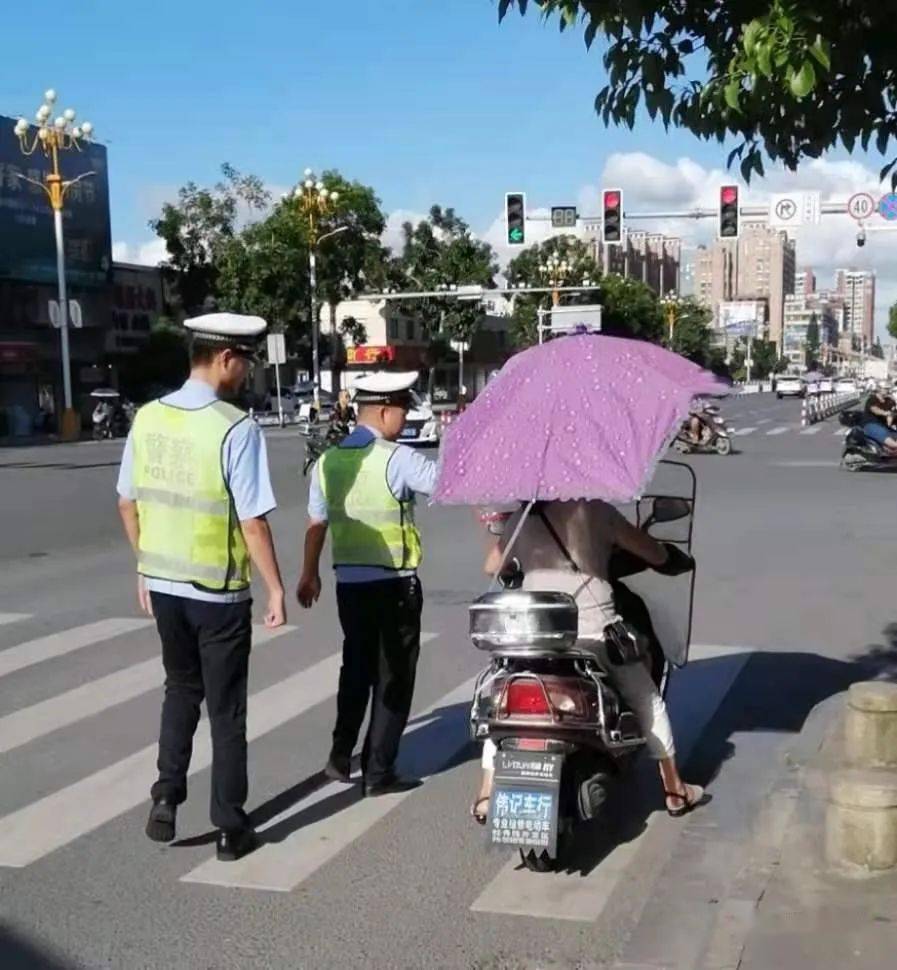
x: 53, y: 137
x: 672, y: 303
x: 315, y: 203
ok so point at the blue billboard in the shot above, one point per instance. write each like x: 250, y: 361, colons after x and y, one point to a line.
x: 27, y: 243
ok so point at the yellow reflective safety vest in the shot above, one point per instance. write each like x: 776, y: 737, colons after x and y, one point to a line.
x: 370, y: 526
x: 189, y: 531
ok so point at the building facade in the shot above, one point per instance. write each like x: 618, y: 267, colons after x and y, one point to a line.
x: 759, y: 265
x: 857, y: 287
x: 652, y: 258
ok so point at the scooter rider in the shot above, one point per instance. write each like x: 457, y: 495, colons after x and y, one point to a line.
x: 880, y: 419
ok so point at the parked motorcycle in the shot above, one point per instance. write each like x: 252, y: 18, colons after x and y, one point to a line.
x: 861, y: 452
x: 319, y: 437
x: 563, y: 732
x: 714, y: 434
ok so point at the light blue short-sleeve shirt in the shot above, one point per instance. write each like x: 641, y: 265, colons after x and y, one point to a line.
x: 246, y: 471
x: 407, y: 473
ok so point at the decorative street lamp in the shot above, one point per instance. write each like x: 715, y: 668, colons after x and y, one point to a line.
x: 315, y: 203
x: 52, y: 137
x: 555, y: 271
x: 672, y: 303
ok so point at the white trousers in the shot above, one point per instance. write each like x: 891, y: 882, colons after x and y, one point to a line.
x: 637, y: 688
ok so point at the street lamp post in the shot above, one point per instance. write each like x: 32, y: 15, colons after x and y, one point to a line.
x: 53, y: 137
x: 671, y: 304
x: 555, y: 270
x: 315, y: 202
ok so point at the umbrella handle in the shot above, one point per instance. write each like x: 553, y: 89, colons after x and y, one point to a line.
x: 509, y: 547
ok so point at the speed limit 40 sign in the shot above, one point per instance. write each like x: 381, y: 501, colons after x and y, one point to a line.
x: 860, y: 206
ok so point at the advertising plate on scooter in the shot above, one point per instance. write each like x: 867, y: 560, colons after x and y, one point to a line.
x: 523, y: 810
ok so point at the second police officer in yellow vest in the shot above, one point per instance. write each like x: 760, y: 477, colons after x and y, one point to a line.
x: 194, y: 495
x: 363, y: 492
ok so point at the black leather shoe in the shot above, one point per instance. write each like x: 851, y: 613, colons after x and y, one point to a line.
x: 160, y: 825
x: 391, y: 786
x: 338, y: 768
x: 234, y: 845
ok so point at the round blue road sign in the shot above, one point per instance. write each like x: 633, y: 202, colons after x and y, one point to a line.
x: 887, y: 206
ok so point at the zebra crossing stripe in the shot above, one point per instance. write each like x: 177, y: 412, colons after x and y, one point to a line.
x: 814, y: 429
x: 775, y: 431
x: 302, y: 842
x: 66, y: 641
x: 13, y: 618
x: 33, y: 832
x: 26, y: 725
x: 741, y: 432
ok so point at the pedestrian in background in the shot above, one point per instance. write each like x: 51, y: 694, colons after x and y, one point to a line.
x: 194, y: 494
x: 363, y: 492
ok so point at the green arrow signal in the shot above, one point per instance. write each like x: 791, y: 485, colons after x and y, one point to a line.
x: 515, y: 234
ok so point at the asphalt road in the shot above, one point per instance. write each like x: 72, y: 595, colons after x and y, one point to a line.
x: 794, y: 601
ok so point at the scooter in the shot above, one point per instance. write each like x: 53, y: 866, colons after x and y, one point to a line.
x: 563, y: 733
x: 861, y: 452
x: 320, y: 437
x: 102, y: 422
x: 714, y: 435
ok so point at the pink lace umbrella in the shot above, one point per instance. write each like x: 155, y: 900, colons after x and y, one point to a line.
x: 585, y: 416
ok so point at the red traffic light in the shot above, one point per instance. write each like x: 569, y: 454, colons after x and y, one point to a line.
x: 611, y: 200
x: 728, y: 194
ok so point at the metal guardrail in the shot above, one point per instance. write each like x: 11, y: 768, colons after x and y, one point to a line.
x: 818, y: 407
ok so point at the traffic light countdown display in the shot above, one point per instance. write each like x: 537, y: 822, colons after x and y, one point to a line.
x: 612, y: 216
x: 515, y: 218
x: 728, y: 212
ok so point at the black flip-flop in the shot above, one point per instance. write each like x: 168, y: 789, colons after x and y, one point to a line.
x: 479, y: 817
x: 690, y: 804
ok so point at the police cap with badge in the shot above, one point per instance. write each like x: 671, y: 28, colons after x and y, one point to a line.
x: 385, y: 388
x: 234, y: 331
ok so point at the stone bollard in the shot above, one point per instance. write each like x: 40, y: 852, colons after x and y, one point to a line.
x: 861, y: 821
x: 870, y: 726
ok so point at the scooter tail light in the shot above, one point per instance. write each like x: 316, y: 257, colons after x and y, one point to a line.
x: 526, y: 697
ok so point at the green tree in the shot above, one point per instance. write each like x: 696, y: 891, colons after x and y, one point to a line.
x: 788, y: 79
x: 441, y: 251
x: 693, y: 336
x: 812, y: 343
x: 876, y: 350
x: 764, y: 359
x: 526, y: 269
x: 892, y: 321
x: 198, y: 225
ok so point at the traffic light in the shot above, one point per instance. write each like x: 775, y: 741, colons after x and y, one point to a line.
x: 612, y: 216
x: 515, y: 218
x: 728, y: 212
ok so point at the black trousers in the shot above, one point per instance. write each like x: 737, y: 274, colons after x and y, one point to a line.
x: 381, y: 627
x: 205, y: 652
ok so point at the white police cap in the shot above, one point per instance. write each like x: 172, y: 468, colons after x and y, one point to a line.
x: 384, y: 387
x: 228, y: 330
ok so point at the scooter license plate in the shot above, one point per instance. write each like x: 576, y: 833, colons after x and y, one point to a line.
x: 523, y: 809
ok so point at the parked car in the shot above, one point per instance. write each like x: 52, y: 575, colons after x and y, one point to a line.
x: 846, y: 385
x: 826, y: 385
x: 421, y: 426
x: 789, y: 385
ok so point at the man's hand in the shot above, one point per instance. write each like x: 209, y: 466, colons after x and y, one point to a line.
x: 276, y: 613
x: 309, y: 590
x: 143, y: 597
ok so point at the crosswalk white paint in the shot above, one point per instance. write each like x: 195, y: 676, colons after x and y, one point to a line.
x: 842, y: 432
x: 282, y: 865
x: 775, y: 431
x: 13, y: 618
x: 25, y: 725
x: 66, y: 641
x: 695, y: 695
x: 741, y: 432
x: 813, y: 429
x: 56, y: 820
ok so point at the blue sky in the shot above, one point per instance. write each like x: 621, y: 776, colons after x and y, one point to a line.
x: 425, y: 104
x: 426, y: 100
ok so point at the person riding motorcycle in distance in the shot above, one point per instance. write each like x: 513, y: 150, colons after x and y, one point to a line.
x: 880, y: 418
x: 566, y: 547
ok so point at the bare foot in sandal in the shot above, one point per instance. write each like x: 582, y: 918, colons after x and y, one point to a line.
x: 682, y: 802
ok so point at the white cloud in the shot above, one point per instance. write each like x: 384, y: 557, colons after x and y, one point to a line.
x: 392, y: 236
x: 650, y: 184
x: 149, y: 253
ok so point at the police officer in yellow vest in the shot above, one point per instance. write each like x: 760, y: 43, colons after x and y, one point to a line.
x: 363, y: 492
x: 194, y: 493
